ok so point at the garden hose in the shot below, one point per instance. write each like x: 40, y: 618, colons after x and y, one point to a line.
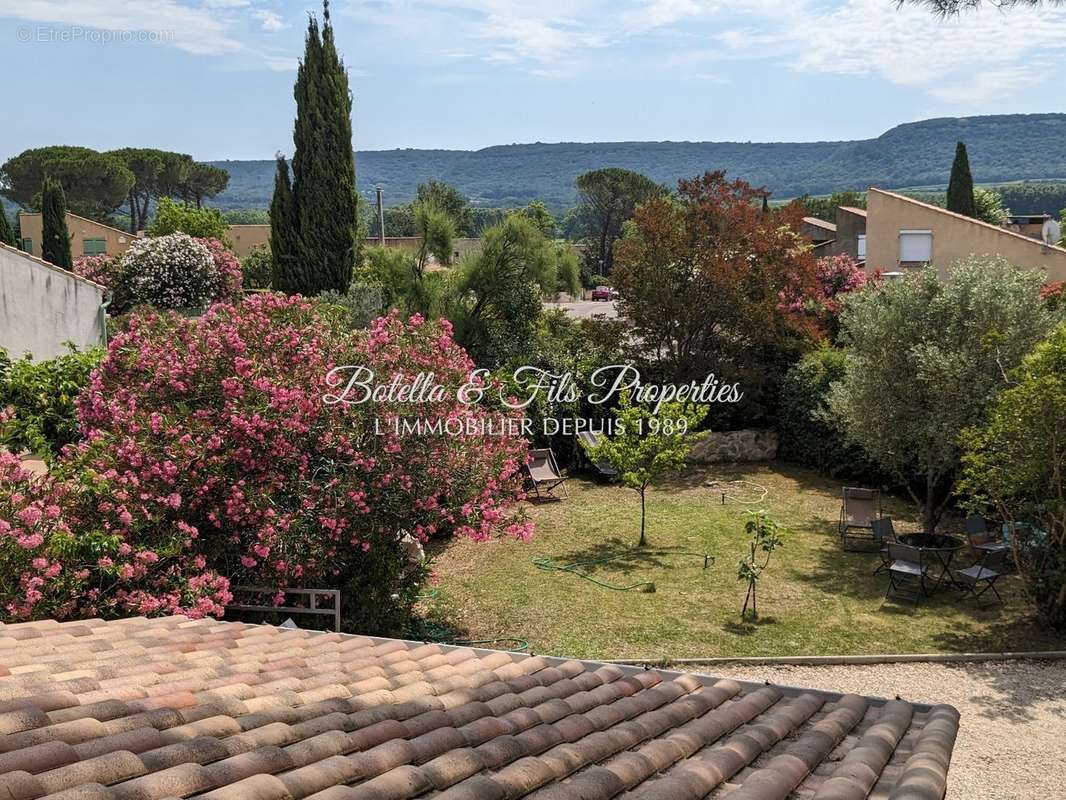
x: 547, y: 563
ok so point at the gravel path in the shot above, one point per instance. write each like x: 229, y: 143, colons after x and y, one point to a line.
x: 1012, y: 740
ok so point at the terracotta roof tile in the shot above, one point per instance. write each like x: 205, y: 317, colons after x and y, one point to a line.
x: 173, y: 708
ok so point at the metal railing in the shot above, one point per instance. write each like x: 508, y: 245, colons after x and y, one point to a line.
x: 313, y: 609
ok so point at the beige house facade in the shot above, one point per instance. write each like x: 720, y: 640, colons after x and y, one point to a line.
x: 87, y: 237
x: 243, y: 239
x: 902, y: 234
x: 246, y: 238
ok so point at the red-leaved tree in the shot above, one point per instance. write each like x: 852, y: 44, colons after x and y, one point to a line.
x: 701, y: 279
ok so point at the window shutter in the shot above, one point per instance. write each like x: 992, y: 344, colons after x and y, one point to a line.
x: 915, y: 246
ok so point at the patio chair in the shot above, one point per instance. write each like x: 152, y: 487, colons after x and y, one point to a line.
x: 907, y: 570
x: 858, y: 510
x: 985, y: 573
x: 588, y: 440
x: 981, y: 539
x: 884, y: 534
x: 545, y: 474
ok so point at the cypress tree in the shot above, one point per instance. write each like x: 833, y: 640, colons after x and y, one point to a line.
x: 283, y: 239
x: 323, y: 167
x: 7, y: 233
x: 55, y: 247
x: 960, y: 187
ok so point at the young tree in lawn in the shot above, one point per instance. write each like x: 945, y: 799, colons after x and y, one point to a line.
x: 765, y: 538
x: 926, y: 359
x: 55, y: 244
x: 7, y: 233
x: 647, y: 445
x: 960, y: 185
x: 323, y: 169
x: 714, y: 285
x: 1014, y: 464
x: 606, y: 199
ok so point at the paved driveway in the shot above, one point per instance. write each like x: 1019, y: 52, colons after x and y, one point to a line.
x: 583, y: 309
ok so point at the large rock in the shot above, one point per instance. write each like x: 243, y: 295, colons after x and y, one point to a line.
x: 734, y: 446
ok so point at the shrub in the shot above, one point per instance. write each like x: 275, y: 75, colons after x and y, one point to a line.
x: 807, y: 433
x: 171, y: 217
x: 104, y: 270
x: 362, y: 303
x: 40, y: 396
x: 209, y: 441
x: 1012, y: 463
x: 173, y: 271
x: 228, y: 266
x: 55, y: 563
x: 258, y: 268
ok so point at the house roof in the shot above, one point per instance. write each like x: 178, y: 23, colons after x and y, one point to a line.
x: 820, y: 223
x: 147, y: 709
x: 29, y: 256
x: 853, y: 210
x: 971, y: 220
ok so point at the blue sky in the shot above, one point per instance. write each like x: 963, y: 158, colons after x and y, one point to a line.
x: 214, y: 77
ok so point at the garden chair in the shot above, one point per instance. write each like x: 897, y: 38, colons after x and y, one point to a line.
x: 984, y: 573
x: 544, y: 472
x: 981, y: 539
x: 588, y: 440
x: 858, y: 510
x: 884, y: 534
x: 907, y: 571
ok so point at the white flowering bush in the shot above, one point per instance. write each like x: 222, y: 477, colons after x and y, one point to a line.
x: 173, y: 271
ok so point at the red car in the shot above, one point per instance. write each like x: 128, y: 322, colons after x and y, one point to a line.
x: 604, y: 293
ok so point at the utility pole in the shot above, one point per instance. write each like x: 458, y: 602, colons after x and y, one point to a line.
x: 381, y: 219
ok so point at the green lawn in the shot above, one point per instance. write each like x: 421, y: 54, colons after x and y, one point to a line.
x: 813, y: 600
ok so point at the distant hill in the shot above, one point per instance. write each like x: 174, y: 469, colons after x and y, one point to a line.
x: 1002, y: 148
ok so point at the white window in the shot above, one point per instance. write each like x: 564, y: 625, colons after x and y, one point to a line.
x: 861, y: 247
x: 915, y: 246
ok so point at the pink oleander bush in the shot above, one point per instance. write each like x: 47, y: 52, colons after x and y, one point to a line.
x: 207, y: 442
x: 835, y: 276
x: 56, y: 563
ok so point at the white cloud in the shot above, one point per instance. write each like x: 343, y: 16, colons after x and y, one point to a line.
x: 965, y: 60
x: 205, y: 27
x: 969, y: 59
x: 269, y: 21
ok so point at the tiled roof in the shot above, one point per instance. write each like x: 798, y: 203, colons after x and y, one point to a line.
x: 166, y: 708
x: 820, y: 223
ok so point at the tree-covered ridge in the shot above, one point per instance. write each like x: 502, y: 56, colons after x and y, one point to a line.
x: 1002, y: 148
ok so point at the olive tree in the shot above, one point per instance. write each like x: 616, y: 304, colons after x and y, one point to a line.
x: 926, y: 358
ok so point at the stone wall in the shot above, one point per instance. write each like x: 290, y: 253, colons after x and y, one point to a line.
x: 734, y: 446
